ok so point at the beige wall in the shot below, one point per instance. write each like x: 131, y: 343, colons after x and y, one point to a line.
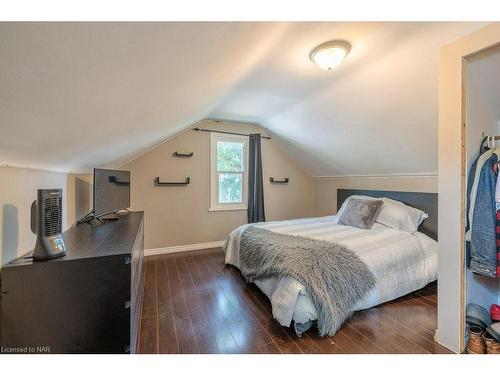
x: 17, y: 191
x: 79, y: 201
x: 326, y: 188
x: 452, y: 163
x: 180, y: 216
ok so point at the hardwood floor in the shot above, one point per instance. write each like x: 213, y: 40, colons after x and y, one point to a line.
x: 193, y: 303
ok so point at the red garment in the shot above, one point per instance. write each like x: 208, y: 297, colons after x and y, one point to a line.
x: 498, y: 243
x: 497, y: 229
x: 495, y: 312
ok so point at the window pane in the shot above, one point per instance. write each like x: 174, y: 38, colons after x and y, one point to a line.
x: 230, y: 188
x: 229, y: 156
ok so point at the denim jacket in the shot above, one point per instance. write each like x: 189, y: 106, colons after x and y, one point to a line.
x: 483, y: 232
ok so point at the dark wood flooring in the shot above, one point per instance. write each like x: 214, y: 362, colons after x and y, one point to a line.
x: 193, y: 303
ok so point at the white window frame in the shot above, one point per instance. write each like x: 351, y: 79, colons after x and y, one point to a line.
x: 214, y: 174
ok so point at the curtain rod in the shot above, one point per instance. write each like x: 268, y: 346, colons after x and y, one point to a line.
x: 223, y: 132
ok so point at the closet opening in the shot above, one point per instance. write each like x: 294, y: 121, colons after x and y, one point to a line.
x: 482, y: 196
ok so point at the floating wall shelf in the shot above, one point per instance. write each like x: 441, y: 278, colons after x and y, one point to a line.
x: 284, y: 181
x: 177, y: 154
x: 157, y: 182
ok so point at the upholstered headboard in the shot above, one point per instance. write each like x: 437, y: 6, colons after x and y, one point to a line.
x: 427, y: 202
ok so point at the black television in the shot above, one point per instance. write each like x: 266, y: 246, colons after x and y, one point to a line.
x: 111, y: 191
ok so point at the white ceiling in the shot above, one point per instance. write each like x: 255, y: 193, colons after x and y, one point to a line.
x: 78, y: 95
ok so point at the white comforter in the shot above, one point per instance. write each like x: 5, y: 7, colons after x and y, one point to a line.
x: 401, y: 263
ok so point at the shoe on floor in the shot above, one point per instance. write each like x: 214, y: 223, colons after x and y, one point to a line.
x: 476, y: 344
x: 492, y: 345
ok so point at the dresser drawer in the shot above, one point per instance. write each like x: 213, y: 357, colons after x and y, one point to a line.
x: 136, y: 287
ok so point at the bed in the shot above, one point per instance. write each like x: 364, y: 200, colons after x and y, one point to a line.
x: 401, y: 262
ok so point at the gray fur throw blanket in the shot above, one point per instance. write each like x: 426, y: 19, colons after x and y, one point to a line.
x: 334, y: 276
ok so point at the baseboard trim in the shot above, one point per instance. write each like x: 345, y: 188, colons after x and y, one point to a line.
x: 453, y: 350
x: 180, y: 248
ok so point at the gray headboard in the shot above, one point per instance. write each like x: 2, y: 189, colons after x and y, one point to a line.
x: 427, y: 202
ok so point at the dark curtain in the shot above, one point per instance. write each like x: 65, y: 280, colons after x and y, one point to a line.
x: 255, y: 184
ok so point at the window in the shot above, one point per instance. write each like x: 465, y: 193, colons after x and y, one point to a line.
x: 228, y: 172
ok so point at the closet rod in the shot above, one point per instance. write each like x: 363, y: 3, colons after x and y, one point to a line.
x: 223, y: 132
x: 495, y: 137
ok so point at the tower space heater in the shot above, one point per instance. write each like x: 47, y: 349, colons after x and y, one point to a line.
x: 46, y: 223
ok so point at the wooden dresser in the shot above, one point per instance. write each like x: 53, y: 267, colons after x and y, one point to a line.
x: 86, y: 302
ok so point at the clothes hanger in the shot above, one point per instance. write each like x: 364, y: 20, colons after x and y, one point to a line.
x: 496, y: 150
x: 489, y: 144
x: 483, y: 147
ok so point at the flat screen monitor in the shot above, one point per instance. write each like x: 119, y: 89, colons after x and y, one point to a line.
x: 111, y: 191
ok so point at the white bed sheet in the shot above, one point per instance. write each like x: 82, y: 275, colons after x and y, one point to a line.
x: 400, y: 261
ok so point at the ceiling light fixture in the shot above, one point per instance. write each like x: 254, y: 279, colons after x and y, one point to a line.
x: 330, y: 54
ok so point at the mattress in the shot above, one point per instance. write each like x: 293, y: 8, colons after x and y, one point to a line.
x: 401, y: 262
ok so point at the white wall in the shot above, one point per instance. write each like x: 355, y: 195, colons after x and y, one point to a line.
x: 18, y: 189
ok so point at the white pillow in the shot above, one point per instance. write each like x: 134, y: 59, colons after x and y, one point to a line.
x: 397, y: 215
x: 393, y: 214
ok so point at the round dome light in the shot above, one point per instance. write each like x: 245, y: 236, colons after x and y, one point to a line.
x: 330, y: 54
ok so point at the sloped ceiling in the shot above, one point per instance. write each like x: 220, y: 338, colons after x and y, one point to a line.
x: 78, y: 95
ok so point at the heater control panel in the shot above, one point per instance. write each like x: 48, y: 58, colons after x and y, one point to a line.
x: 58, y: 244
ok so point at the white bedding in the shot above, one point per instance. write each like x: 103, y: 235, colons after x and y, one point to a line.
x: 400, y: 261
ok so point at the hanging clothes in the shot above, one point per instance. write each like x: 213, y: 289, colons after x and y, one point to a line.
x: 497, y: 231
x: 475, y: 172
x: 481, y: 229
x: 497, y: 208
x: 472, y: 180
x: 497, y: 190
x: 483, y: 249
x: 498, y: 243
